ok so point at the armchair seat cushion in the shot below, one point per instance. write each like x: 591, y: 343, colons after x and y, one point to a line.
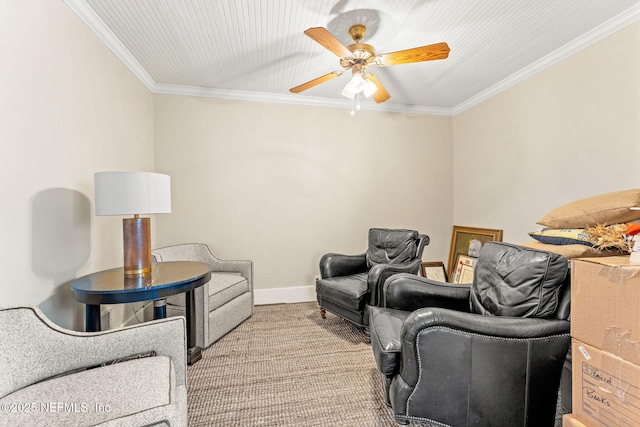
x: 224, y: 287
x: 385, y: 325
x: 115, y: 388
x: 349, y: 291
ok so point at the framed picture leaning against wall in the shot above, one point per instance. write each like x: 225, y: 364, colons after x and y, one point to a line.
x: 468, y: 241
x: 434, y: 271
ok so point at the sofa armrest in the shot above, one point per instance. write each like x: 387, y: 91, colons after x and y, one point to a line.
x: 410, y: 292
x: 32, y: 348
x: 334, y: 265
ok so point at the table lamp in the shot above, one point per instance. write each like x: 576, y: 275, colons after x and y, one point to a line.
x: 133, y: 193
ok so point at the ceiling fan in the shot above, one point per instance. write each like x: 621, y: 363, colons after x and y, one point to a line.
x: 358, y: 57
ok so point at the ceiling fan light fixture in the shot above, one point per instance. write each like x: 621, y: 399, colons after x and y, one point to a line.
x: 369, y: 88
x: 358, y: 84
x: 355, y: 85
x: 347, y: 92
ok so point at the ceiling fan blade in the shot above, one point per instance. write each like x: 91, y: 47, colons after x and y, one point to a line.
x: 417, y: 54
x: 381, y: 94
x: 326, y: 39
x: 316, y: 81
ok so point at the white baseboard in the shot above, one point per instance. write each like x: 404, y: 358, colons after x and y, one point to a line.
x: 284, y: 295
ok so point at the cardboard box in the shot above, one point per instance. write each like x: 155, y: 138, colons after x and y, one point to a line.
x: 606, y: 388
x: 568, y: 420
x: 605, y: 305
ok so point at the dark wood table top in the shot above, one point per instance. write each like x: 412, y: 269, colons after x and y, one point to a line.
x: 166, y: 279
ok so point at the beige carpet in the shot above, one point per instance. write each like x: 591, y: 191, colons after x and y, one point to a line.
x: 287, y: 366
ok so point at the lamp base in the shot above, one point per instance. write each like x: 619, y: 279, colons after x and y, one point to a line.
x: 136, y: 233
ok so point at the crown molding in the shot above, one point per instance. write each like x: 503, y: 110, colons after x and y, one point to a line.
x: 276, y: 98
x: 622, y: 20
x: 93, y: 21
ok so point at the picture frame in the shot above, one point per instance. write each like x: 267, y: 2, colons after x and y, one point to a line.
x: 464, y: 266
x: 468, y: 241
x: 434, y: 270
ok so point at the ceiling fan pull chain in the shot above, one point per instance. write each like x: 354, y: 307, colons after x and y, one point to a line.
x: 355, y: 105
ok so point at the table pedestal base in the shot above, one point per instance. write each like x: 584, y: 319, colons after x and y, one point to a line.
x: 160, y: 309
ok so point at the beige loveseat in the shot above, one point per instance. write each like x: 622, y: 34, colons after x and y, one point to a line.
x: 50, y: 376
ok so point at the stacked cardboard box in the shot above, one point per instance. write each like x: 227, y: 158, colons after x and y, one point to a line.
x: 605, y: 330
x: 569, y: 420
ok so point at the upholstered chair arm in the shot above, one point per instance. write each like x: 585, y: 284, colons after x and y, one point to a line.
x: 244, y: 268
x: 409, y: 292
x: 379, y: 273
x: 32, y: 348
x: 202, y: 253
x: 473, y: 353
x: 334, y: 265
x: 442, y: 326
x: 422, y: 242
x: 497, y: 326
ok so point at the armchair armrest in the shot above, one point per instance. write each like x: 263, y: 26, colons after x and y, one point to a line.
x: 32, y: 348
x: 242, y: 267
x: 333, y: 265
x: 424, y: 241
x: 201, y: 252
x: 409, y: 292
x: 379, y: 273
x: 495, y: 326
x: 452, y: 328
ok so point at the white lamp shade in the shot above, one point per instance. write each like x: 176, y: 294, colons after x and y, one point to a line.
x: 132, y: 193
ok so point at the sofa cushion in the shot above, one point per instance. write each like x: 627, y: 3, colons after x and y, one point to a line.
x: 348, y: 291
x: 573, y: 251
x: 562, y: 236
x: 95, y: 395
x: 609, y: 208
x: 517, y: 281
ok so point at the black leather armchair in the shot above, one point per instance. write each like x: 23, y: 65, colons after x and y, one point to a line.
x: 348, y: 284
x: 485, y: 354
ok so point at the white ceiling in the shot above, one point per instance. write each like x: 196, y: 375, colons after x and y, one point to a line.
x: 256, y: 49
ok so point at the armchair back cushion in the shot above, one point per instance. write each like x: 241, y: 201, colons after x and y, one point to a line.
x: 391, y: 246
x: 517, y: 281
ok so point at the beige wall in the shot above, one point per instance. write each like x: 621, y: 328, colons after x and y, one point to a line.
x: 282, y: 184
x: 68, y: 108
x: 569, y: 132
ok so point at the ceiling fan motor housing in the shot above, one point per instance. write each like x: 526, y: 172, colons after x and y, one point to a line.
x: 357, y: 32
